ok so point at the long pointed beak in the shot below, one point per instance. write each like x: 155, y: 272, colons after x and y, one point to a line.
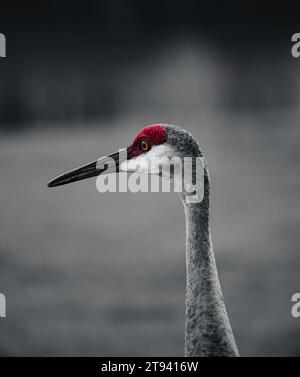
x: 104, y: 165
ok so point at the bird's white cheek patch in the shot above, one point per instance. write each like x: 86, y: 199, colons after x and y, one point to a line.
x: 138, y: 164
x: 150, y: 162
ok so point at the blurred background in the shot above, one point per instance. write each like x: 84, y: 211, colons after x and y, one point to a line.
x: 90, y: 274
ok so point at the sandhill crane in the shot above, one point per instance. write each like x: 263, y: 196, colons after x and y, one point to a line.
x: 207, y: 329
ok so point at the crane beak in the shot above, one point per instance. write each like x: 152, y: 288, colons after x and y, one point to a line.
x: 104, y: 165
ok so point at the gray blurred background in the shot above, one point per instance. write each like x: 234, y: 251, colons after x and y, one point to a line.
x: 90, y: 274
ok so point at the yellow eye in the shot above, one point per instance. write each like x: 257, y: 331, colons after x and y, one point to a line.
x: 144, y: 145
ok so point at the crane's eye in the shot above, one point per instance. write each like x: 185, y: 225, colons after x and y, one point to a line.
x: 144, y: 145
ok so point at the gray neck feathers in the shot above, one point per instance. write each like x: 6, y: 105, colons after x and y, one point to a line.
x: 208, y: 331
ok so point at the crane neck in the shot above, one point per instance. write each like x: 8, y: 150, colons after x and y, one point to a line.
x: 207, y: 330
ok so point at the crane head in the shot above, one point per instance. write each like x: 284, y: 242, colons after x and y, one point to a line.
x: 153, y: 145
